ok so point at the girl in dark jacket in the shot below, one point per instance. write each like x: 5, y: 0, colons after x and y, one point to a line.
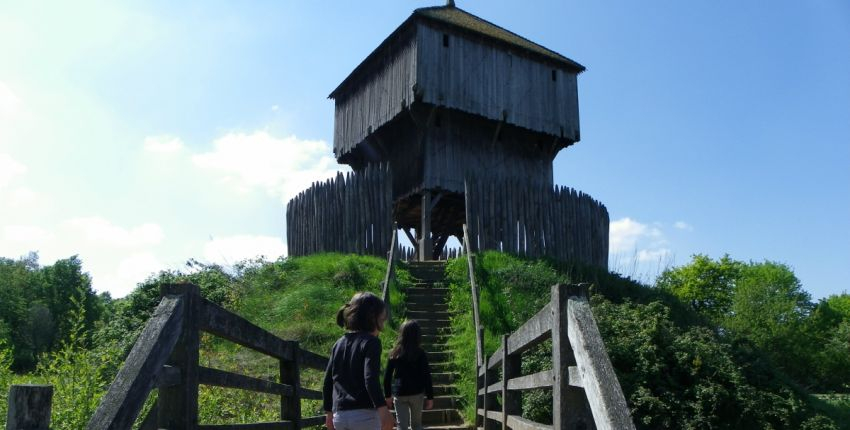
x: 352, y: 390
x: 408, y: 378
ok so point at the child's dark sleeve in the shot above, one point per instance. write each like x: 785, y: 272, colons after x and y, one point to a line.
x: 426, y: 370
x: 328, y: 386
x: 372, y: 372
x: 388, y: 378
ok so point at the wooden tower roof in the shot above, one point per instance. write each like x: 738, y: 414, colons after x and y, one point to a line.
x: 464, y: 21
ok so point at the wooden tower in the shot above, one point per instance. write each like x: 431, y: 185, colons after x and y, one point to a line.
x: 449, y: 97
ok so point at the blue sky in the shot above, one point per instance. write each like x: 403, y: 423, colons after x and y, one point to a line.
x: 141, y: 134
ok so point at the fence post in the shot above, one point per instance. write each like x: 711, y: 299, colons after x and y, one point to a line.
x: 290, y: 374
x: 480, y: 381
x: 29, y: 407
x: 511, y: 400
x: 490, y: 401
x: 178, y: 404
x: 570, y: 411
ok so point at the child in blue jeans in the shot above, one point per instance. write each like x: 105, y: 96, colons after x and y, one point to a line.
x: 408, y: 378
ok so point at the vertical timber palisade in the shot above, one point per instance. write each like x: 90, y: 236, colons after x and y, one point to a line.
x: 453, y: 120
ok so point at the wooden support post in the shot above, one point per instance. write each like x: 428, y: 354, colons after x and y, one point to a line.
x: 425, y: 244
x: 490, y: 402
x: 29, y: 407
x: 178, y: 404
x: 480, y: 380
x: 570, y: 407
x: 511, y: 368
x: 290, y: 374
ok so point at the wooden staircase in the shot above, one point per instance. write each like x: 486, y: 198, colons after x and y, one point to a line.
x: 427, y: 303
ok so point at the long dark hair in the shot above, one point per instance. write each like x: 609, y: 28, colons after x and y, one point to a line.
x: 408, y: 344
x: 362, y: 313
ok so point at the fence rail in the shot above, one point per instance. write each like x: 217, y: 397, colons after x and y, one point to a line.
x: 392, y: 259
x: 166, y: 357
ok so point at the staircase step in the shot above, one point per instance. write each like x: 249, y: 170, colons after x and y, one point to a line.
x: 438, y: 356
x: 424, y: 315
x: 431, y: 339
x: 446, y: 402
x: 443, y: 378
x: 432, y: 323
x: 434, y: 331
x: 450, y: 427
x: 445, y: 390
x: 427, y: 289
x: 441, y: 416
x: 427, y: 307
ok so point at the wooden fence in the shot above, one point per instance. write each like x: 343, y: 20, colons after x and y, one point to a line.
x: 351, y: 213
x: 586, y: 392
x: 534, y: 220
x: 166, y: 357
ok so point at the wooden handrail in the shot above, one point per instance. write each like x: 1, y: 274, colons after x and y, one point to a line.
x: 128, y: 392
x: 165, y: 356
x: 585, y: 388
x: 392, y: 256
x: 476, y: 316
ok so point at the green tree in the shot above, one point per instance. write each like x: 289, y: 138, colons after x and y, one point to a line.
x: 829, y: 331
x: 707, y: 286
x: 770, y: 308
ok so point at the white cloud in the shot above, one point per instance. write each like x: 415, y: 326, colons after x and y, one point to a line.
x: 638, y: 250
x: 27, y: 234
x: 163, y: 144
x: 660, y: 255
x: 228, y: 250
x: 101, y: 231
x: 131, y: 270
x: 625, y: 234
x: 681, y: 225
x: 281, y: 166
x: 9, y: 169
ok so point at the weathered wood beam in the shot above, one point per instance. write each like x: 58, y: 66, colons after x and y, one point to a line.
x: 495, y: 388
x: 312, y: 360
x: 313, y: 421
x: 29, y: 407
x: 221, y: 378
x: 307, y: 393
x: 279, y: 425
x: 534, y: 331
x: 436, y: 199
x: 411, y: 238
x: 216, y: 320
x: 607, y: 403
x: 520, y: 423
x: 425, y: 244
x: 126, y: 395
x: 178, y: 404
x: 149, y: 422
x: 570, y: 405
x: 168, y: 376
x: 536, y: 380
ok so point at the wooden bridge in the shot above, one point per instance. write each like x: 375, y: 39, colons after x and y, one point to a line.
x: 586, y: 393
